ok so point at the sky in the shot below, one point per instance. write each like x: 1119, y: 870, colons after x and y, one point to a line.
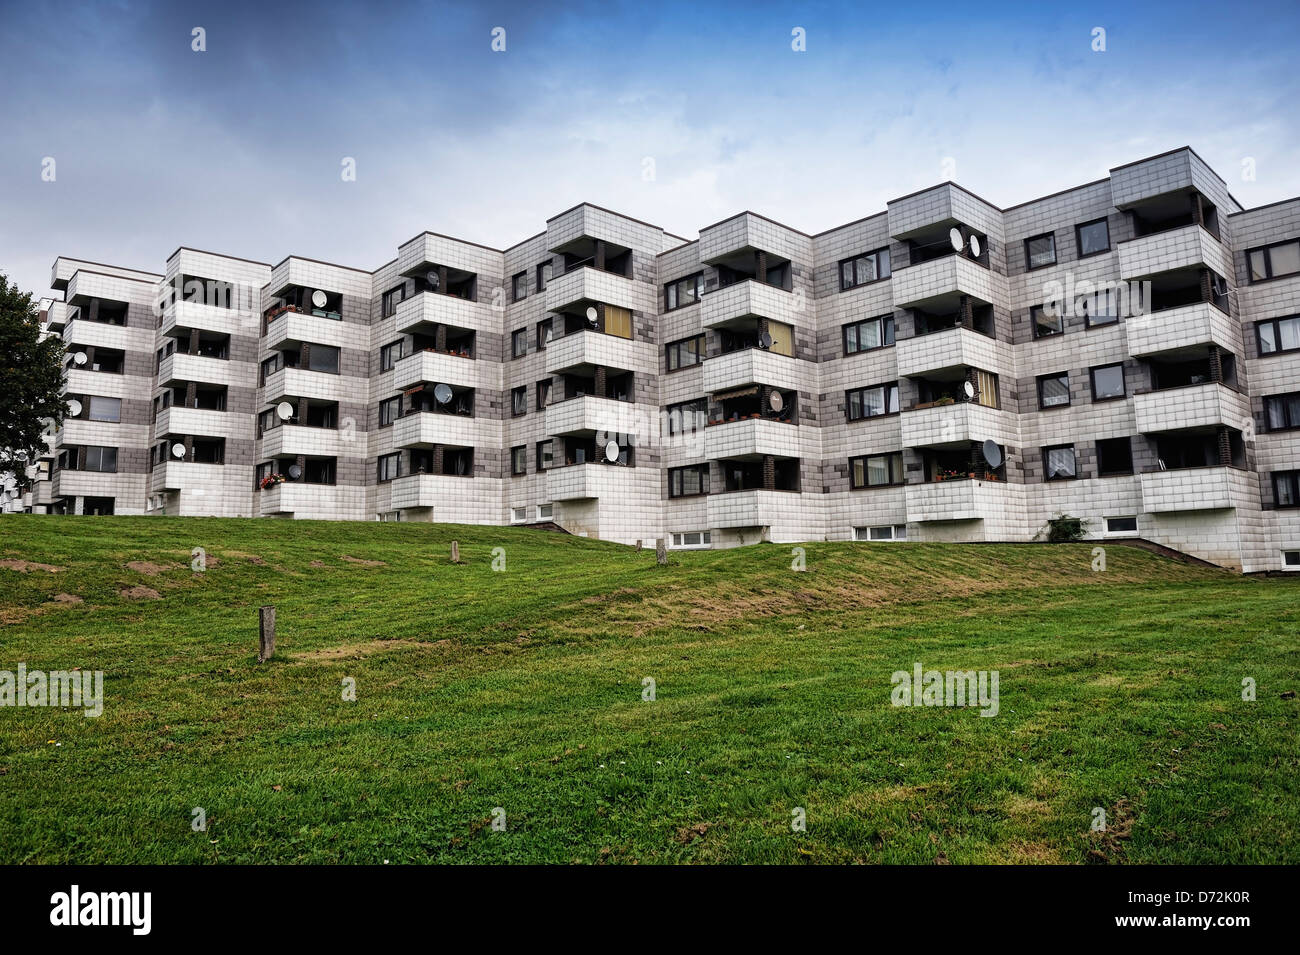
x: 680, y: 114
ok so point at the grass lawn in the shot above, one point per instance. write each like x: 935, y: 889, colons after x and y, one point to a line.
x: 522, y: 689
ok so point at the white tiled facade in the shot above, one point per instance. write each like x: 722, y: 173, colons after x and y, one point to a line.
x: 414, y: 392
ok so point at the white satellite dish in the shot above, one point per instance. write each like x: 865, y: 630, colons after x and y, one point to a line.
x: 178, y: 450
x: 775, y: 401
x: 284, y: 411
x: 74, y: 408
x: 968, y: 388
x: 442, y: 393
x: 612, y: 452
x: 319, y: 298
x: 974, y: 247
x: 81, y: 358
x: 992, y: 454
x: 954, y: 236
x: 295, y: 472
x: 593, y: 316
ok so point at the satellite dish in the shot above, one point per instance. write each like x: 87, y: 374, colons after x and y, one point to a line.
x: 81, y: 358
x: 954, y: 236
x: 593, y: 316
x: 612, y: 451
x: 74, y: 408
x: 968, y: 389
x: 432, y: 278
x: 974, y: 247
x: 178, y: 450
x: 284, y: 411
x: 21, y: 455
x: 295, y: 472
x: 775, y: 401
x: 442, y: 393
x: 319, y: 298
x: 992, y: 454
x: 765, y: 340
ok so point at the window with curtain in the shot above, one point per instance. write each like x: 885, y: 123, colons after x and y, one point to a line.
x: 618, y: 321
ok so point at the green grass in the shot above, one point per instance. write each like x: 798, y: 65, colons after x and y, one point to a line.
x: 522, y: 689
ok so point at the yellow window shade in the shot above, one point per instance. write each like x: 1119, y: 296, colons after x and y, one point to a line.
x: 618, y: 321
x: 782, y: 338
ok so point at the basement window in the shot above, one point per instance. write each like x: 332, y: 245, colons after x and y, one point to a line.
x: 684, y: 540
x: 884, y: 532
x: 1121, y: 525
x: 545, y: 511
x: 518, y: 515
x: 1291, y: 558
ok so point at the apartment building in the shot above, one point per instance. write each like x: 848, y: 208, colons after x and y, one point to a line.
x: 1126, y: 352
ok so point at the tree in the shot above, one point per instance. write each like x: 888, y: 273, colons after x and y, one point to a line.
x: 31, y: 378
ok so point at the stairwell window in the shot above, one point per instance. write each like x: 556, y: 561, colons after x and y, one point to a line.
x: 864, y: 269
x: 519, y: 460
x: 389, y: 355
x: 519, y: 343
x: 545, y: 455
x: 519, y: 401
x: 390, y: 409
x: 1059, y: 463
x: 1040, y: 251
x: 390, y: 466
x: 392, y: 298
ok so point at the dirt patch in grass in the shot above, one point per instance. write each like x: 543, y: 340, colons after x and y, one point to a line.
x: 352, y: 650
x: 27, y: 566
x: 1108, y: 844
x: 251, y: 558
x: 149, y: 568
x: 363, y: 562
x: 140, y: 592
x: 689, y: 834
x: 67, y: 599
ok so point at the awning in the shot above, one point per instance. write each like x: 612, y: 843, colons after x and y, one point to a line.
x: 738, y: 393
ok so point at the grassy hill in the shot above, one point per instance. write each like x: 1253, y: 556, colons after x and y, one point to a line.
x: 522, y: 689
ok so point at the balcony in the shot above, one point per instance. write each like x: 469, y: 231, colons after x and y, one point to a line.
x: 946, y: 279
x: 436, y: 308
x: 1192, y: 406
x: 291, y: 329
x: 187, y: 475
x: 587, y: 349
x: 588, y: 414
x: 178, y: 368
x: 203, y: 422
x: 301, y: 383
x: 957, y: 424
x: 751, y: 366
x: 753, y: 508
x: 1195, y: 489
x: 84, y: 332
x: 432, y: 490
x: 947, y: 349
x: 750, y: 438
x: 960, y: 499
x: 588, y: 284
x: 578, y: 482
x: 287, y: 440
x: 749, y: 298
x: 1175, y: 329
x: 424, y: 429
x: 456, y: 370
x: 208, y: 318
x: 1185, y: 247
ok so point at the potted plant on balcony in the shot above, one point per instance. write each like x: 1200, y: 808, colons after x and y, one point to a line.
x: 945, y: 400
x: 270, y: 481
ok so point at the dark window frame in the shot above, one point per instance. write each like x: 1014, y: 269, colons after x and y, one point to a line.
x: 519, y: 392
x: 517, y: 337
x: 1103, y: 471
x: 379, y: 467
x: 855, y: 259
x: 549, y: 325
x: 520, y: 452
x: 515, y: 294
x: 1265, y: 250
x: 1276, y: 324
x: 887, y: 385
x: 537, y: 450
x: 1029, y: 266
x: 542, y: 278
x: 388, y: 306
x: 1074, y: 457
x: 697, y: 278
x: 1291, y: 478
x: 1285, y: 398
x: 1123, y: 381
x: 387, y: 362
x: 896, y: 480
x: 671, y: 347
x: 1034, y: 325
x: 396, y: 403
x: 1078, y: 237
x: 1069, y: 399
x: 702, y: 470
x: 885, y: 321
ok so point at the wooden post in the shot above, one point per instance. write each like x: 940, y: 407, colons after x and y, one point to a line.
x: 455, y: 552
x: 661, y: 552
x: 638, y: 545
x: 265, y: 633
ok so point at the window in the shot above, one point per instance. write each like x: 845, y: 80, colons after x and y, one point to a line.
x: 1040, y: 250
x: 545, y: 330
x: 876, y: 470
x: 885, y: 532
x: 519, y: 401
x: 323, y: 358
x: 686, y: 539
x: 1054, y: 390
x: 871, y: 267
x: 101, y: 459
x: 1278, y: 335
x: 1121, y: 525
x: 519, y: 287
x: 1282, y: 412
x: 390, y: 466
x: 1114, y: 456
x: 1291, y: 558
x: 519, y: 460
x: 868, y: 334
x: 544, y: 275
x: 1274, y: 261
x: 1101, y: 308
x: 1107, y: 382
x: 543, y: 393
x: 684, y: 353
x: 871, y: 402
x: 545, y: 455
x: 684, y: 292
x: 688, y: 416
x: 782, y: 336
x: 1047, y: 320
x: 389, y: 354
x: 1058, y: 462
x: 1093, y: 238
x: 518, y: 343
x: 518, y: 515
x: 688, y: 481
x: 545, y: 512
x: 618, y: 321
x: 391, y: 298
x: 104, y: 409
x: 390, y: 409
x: 986, y: 389
x: 1286, y: 488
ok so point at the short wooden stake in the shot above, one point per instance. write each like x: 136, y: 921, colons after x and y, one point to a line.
x: 265, y: 633
x: 661, y: 552
x: 455, y: 552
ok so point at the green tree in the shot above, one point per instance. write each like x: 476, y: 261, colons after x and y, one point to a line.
x: 31, y: 377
